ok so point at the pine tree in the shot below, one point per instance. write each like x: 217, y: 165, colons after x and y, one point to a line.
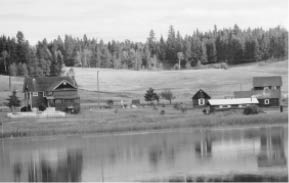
x: 151, y: 96
x: 13, y: 101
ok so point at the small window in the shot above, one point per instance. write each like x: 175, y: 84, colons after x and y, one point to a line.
x: 35, y: 94
x: 44, y: 94
x: 220, y: 106
x: 201, y: 101
x: 266, y: 101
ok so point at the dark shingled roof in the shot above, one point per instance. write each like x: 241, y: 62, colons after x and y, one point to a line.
x: 45, y: 83
x: 201, y: 94
x: 267, y: 81
x: 258, y: 94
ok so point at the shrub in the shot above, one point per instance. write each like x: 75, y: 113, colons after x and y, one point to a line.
x: 109, y: 103
x: 162, y: 112
x: 176, y: 106
x: 250, y: 110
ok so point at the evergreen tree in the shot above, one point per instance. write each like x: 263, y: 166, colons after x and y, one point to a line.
x: 151, y: 96
x: 13, y: 101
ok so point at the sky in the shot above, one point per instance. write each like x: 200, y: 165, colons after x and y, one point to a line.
x: 133, y: 19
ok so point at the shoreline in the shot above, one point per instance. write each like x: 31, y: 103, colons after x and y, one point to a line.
x: 147, y: 131
x: 134, y: 122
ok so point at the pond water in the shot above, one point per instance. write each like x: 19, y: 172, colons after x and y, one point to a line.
x: 142, y: 156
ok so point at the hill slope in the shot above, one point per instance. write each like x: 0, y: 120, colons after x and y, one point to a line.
x: 116, y: 84
x: 217, y: 82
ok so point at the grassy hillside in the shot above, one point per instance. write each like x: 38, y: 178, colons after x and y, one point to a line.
x: 126, y: 84
x: 217, y: 82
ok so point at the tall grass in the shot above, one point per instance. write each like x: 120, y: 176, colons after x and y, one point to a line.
x: 107, y: 121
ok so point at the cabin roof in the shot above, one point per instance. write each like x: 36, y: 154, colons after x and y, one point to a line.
x: 267, y: 81
x: 45, y: 83
x: 201, y: 94
x: 233, y: 101
x: 259, y: 94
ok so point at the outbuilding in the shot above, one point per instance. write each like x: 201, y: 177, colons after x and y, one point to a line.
x: 266, y: 98
x: 200, y: 99
x: 234, y: 103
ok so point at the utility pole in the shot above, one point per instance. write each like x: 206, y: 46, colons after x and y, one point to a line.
x: 9, y: 75
x: 98, y: 102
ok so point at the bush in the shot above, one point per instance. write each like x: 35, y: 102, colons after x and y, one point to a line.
x: 251, y: 110
x: 109, y: 103
x: 162, y: 112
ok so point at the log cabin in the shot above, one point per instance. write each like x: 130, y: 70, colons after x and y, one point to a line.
x: 266, y: 89
x: 200, y: 99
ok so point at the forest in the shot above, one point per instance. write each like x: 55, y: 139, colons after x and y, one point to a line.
x: 228, y: 45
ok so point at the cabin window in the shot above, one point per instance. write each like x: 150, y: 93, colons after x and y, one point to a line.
x: 240, y: 106
x: 266, y: 101
x: 201, y: 101
x: 35, y: 94
x: 44, y: 94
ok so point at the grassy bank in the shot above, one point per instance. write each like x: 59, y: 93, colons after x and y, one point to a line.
x: 228, y: 178
x: 127, y: 120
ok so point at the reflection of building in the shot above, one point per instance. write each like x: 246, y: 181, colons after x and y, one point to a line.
x: 66, y: 169
x: 272, y: 150
x: 204, y: 147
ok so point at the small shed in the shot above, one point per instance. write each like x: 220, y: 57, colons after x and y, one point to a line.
x: 200, y: 99
x: 235, y: 103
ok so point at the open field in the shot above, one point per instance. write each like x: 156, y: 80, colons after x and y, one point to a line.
x: 216, y: 82
x: 127, y: 120
x: 128, y: 84
x: 124, y: 84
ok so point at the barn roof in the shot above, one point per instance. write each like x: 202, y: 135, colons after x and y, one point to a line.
x: 267, y: 81
x: 45, y: 83
x: 233, y: 101
x: 201, y: 94
x: 259, y: 94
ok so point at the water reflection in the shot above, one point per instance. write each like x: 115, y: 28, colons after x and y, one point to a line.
x: 272, y: 149
x: 67, y: 169
x: 138, y: 157
x: 203, y: 147
x: 17, y: 170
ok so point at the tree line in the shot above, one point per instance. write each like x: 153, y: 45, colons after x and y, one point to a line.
x: 227, y: 45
